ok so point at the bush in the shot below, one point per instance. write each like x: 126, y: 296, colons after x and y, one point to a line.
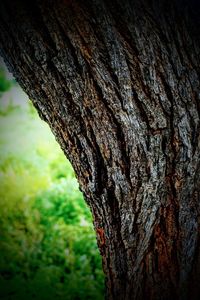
x: 5, y: 84
x: 47, y: 244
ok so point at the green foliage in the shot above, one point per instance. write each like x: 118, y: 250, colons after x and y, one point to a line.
x: 47, y: 243
x: 5, y: 83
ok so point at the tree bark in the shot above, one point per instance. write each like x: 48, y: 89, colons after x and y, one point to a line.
x: 118, y: 83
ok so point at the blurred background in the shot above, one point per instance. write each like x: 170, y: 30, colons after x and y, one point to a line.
x: 47, y: 243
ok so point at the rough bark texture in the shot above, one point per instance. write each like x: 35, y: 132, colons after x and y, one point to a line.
x: 118, y: 83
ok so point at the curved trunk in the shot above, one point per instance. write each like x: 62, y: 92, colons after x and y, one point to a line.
x: 118, y: 84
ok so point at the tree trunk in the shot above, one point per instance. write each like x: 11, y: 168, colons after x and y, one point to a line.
x: 118, y: 83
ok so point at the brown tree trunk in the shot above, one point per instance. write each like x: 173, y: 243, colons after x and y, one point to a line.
x: 118, y: 83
